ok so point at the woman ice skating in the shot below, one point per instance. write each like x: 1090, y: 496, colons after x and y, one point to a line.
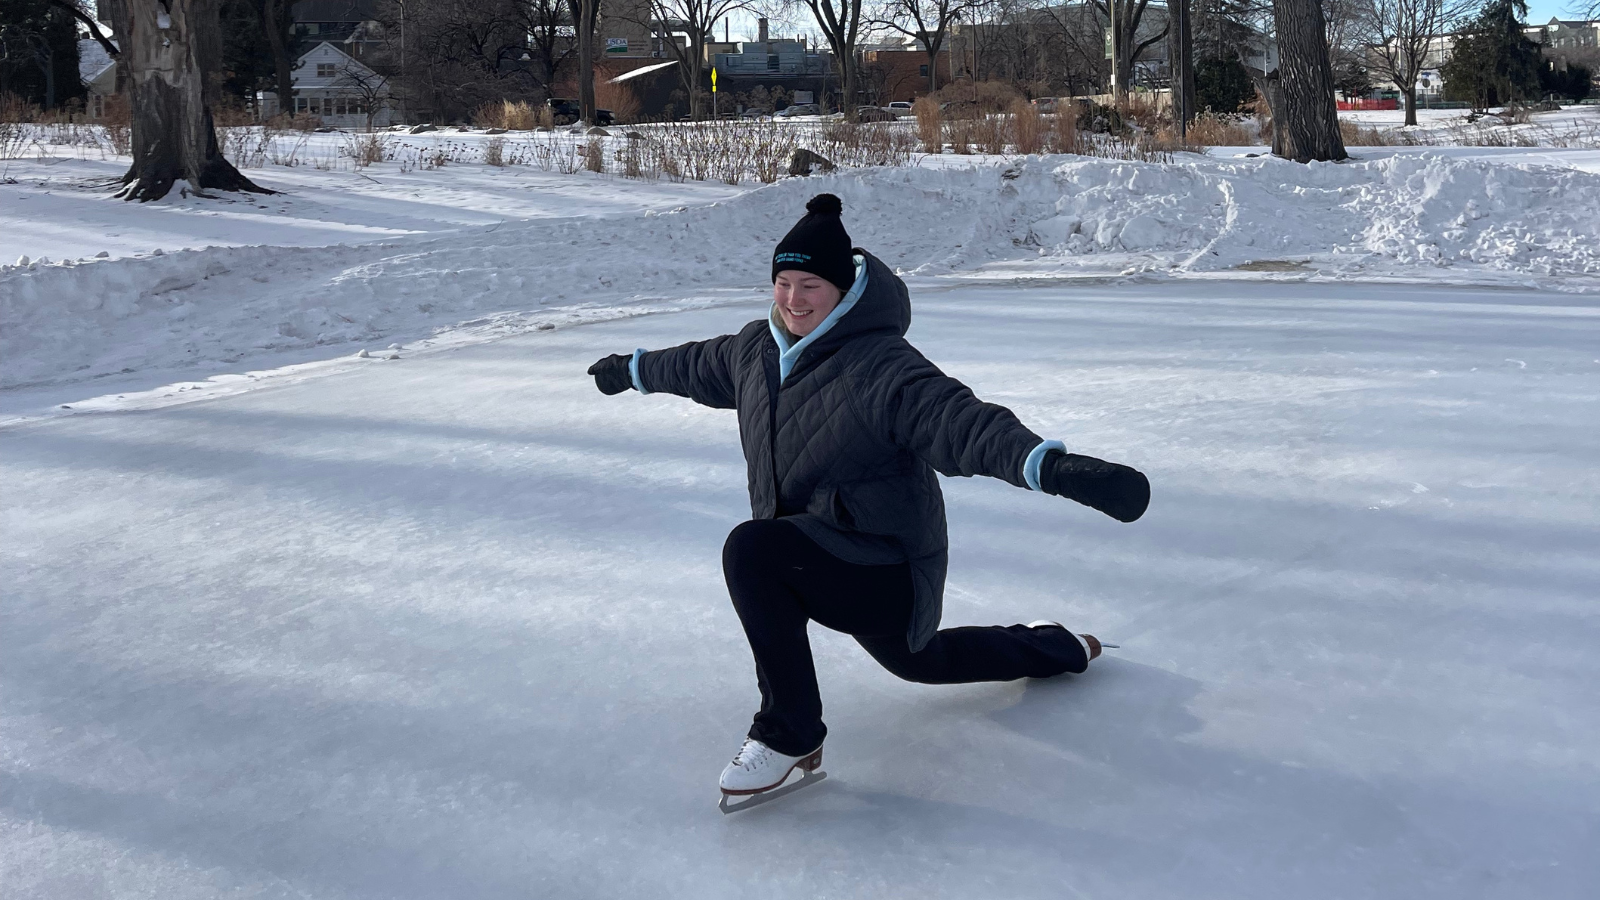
x: 843, y: 425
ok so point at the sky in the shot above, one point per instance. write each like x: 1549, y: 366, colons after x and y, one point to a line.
x: 1542, y: 11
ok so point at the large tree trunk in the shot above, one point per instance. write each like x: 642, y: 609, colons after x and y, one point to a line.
x: 1306, y: 118
x: 272, y: 15
x: 587, y: 10
x: 171, y: 59
x: 1411, y: 102
x: 847, y: 103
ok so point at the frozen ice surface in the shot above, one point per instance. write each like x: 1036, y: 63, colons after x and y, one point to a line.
x: 454, y: 626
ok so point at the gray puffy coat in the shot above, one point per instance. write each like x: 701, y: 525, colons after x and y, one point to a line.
x: 847, y: 442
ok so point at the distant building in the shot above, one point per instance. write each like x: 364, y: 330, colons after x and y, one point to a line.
x: 98, y: 72
x: 1567, y: 38
x: 768, y: 57
x: 1566, y: 43
x: 900, y: 73
x: 337, y: 88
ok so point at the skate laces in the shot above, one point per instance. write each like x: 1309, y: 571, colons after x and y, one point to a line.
x: 752, y: 755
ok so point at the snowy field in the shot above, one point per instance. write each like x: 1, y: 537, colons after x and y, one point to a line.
x: 593, y: 247
x: 282, y: 620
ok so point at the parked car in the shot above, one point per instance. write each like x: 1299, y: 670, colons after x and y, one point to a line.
x: 757, y: 114
x: 874, y: 114
x: 900, y: 107
x: 799, y: 109
x: 566, y: 112
x: 1045, y: 104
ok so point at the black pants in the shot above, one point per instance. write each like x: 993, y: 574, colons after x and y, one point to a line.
x: 780, y: 580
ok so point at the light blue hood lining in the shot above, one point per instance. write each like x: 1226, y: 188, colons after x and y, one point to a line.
x: 788, y: 355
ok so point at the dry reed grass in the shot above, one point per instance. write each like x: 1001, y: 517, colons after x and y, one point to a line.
x: 1357, y: 135
x: 930, y: 126
x: 1212, y: 130
x: 494, y: 152
x: 1028, y: 127
x: 512, y: 115
x: 1064, y: 136
x: 619, y: 98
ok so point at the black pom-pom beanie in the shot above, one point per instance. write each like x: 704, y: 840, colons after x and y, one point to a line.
x: 818, y: 244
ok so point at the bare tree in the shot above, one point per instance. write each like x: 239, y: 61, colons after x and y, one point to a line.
x: 1075, y: 38
x: 1305, y: 116
x: 928, y: 21
x: 456, y: 55
x: 585, y: 13
x: 82, y: 11
x: 1124, y: 17
x: 841, y: 23
x: 695, y: 19
x: 367, y: 86
x: 171, y: 51
x: 1401, y: 32
x: 277, y: 23
x: 548, y: 24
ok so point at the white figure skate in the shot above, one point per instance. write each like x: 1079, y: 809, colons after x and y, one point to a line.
x: 757, y: 775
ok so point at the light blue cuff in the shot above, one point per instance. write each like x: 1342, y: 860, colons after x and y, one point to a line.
x: 633, y: 371
x: 1030, y: 466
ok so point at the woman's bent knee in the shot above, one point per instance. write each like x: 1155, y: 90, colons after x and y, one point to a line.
x: 891, y: 652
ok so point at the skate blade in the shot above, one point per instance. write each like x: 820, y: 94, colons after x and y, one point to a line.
x: 732, y: 803
x: 1106, y: 646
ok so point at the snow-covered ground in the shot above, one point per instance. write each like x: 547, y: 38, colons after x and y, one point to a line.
x: 1496, y: 218
x: 453, y: 625
x: 58, y: 207
x: 1571, y: 127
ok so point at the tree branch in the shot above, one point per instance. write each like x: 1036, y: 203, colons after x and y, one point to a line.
x: 89, y: 22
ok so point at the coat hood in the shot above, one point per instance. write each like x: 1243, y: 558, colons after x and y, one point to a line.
x: 885, y: 305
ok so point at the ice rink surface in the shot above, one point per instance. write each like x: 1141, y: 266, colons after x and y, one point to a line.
x: 453, y: 625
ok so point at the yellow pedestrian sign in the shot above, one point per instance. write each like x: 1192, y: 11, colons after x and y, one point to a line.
x: 713, y: 79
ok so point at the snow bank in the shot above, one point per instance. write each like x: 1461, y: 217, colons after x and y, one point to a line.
x: 1399, y: 211
x: 1472, y: 221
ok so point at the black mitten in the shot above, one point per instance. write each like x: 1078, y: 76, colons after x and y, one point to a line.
x: 1121, y: 492
x: 611, y: 375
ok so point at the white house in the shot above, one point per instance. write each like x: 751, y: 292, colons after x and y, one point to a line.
x: 337, y: 88
x: 98, y: 72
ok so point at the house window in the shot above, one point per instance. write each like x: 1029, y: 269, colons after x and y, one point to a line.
x: 300, y: 104
x: 922, y: 70
x: 327, y: 70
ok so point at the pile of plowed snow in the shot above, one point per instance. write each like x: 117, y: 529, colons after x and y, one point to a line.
x: 1471, y: 221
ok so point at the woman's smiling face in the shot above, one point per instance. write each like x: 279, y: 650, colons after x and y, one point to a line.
x: 803, y: 300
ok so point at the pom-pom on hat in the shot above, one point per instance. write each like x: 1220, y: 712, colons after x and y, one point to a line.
x: 818, y: 244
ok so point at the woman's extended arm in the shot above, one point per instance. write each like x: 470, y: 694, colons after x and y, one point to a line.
x: 942, y: 421
x: 699, y: 370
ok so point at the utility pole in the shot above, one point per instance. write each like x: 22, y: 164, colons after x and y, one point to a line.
x: 1180, y: 59
x: 1111, y: 16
